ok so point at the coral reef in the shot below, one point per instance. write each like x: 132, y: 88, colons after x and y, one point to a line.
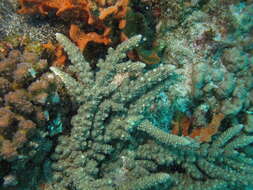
x: 22, y: 116
x: 118, y: 90
x: 29, y: 112
x: 216, y: 84
x: 113, y: 145
x: 185, y: 122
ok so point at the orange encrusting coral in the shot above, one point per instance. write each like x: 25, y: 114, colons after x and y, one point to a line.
x: 119, y: 10
x: 203, y: 134
x: 82, y: 39
x: 44, y: 6
x: 60, y: 56
x: 122, y: 24
x: 181, y: 126
x: 82, y: 10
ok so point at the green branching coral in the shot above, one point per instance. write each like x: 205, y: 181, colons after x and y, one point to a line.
x: 112, y: 146
x: 109, y: 100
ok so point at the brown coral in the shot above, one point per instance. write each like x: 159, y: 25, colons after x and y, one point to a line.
x: 22, y: 98
x: 13, y: 131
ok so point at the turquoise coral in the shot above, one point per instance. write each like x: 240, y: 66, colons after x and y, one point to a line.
x: 113, y: 146
x: 124, y: 111
x: 108, y: 100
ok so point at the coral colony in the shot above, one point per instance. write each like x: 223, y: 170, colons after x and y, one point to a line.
x: 126, y: 95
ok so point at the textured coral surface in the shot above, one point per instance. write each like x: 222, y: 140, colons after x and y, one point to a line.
x: 182, y: 121
x: 122, y: 149
x: 21, y: 99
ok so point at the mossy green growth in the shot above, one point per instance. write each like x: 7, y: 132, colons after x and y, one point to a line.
x: 139, y: 23
x: 17, y: 41
x: 35, y: 47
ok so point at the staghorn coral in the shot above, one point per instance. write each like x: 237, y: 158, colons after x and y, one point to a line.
x: 217, y: 66
x: 221, y: 161
x: 113, y: 146
x: 109, y: 101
